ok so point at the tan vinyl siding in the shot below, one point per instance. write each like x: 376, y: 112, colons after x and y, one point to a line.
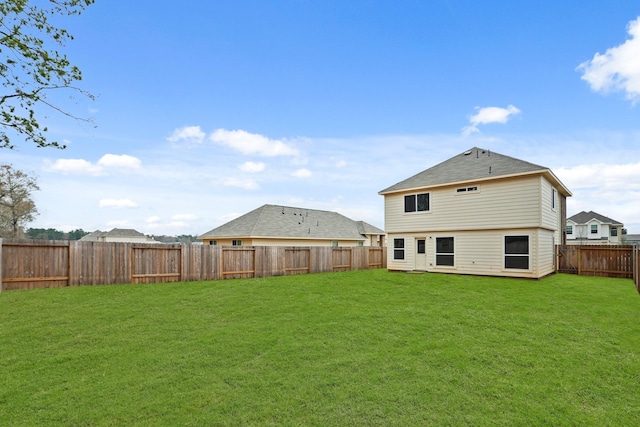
x: 304, y: 242
x: 504, y: 203
x: 285, y: 242
x: 550, y: 215
x: 546, y: 252
x: 407, y: 264
x: 478, y: 252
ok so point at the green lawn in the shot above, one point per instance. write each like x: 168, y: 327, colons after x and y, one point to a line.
x: 338, y: 349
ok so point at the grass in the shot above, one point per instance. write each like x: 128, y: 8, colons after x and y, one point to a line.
x: 354, y: 348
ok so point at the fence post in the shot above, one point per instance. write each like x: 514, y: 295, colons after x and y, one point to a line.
x: 579, y: 260
x: 636, y: 266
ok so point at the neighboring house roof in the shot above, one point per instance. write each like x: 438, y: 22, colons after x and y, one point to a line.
x: 633, y: 238
x: 115, y: 233
x: 92, y: 237
x: 276, y: 221
x: 584, y: 217
x: 473, y: 165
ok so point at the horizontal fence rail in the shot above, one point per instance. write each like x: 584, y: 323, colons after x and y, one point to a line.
x: 31, y: 264
x: 621, y: 261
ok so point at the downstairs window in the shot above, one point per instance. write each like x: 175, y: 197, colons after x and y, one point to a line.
x: 516, y: 252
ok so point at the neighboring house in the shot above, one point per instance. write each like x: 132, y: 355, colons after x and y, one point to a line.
x: 631, y: 239
x: 480, y: 213
x: 589, y: 228
x: 126, y: 235
x: 275, y: 225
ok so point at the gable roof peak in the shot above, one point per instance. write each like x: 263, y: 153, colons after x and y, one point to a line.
x: 584, y: 217
x: 474, y: 164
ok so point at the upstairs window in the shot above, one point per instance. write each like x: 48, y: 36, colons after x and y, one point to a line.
x: 614, y: 232
x: 416, y: 202
x: 554, y: 196
x: 465, y: 190
x: 594, y: 228
x: 569, y: 229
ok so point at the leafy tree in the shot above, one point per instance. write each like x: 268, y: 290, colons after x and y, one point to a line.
x: 77, y: 234
x: 53, y: 234
x: 45, y: 234
x: 16, y: 206
x: 31, y: 67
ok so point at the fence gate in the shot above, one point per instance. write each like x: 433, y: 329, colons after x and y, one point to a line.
x: 297, y: 261
x: 341, y: 258
x: 155, y: 264
x: 238, y: 262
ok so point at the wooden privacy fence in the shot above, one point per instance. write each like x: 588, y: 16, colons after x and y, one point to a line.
x: 29, y: 264
x: 622, y: 261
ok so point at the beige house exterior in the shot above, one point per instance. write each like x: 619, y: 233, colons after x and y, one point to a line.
x: 277, y: 225
x: 478, y: 213
x: 591, y: 228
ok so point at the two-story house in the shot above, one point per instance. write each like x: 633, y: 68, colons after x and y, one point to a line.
x: 480, y: 213
x: 591, y: 228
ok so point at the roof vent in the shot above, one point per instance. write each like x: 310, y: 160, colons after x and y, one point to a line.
x: 466, y: 153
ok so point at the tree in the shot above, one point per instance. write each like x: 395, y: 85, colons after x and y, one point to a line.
x: 77, y: 234
x: 16, y: 206
x: 31, y: 67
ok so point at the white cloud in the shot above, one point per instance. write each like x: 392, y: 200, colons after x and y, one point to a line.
x: 489, y: 115
x: 184, y: 217
x: 177, y: 222
x: 618, y: 69
x: 247, y: 184
x: 117, y: 203
x: 612, y: 190
x: 252, y: 167
x: 252, y: 143
x: 602, y: 176
x: 302, y: 173
x: 122, y: 161
x: 84, y: 167
x: 74, y: 166
x: 188, y: 134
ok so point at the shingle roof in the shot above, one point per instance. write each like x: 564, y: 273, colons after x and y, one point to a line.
x: 116, y: 233
x: 93, y: 236
x: 472, y: 165
x: 291, y: 222
x: 584, y: 217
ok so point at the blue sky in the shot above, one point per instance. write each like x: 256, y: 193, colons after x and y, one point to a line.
x: 210, y: 109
